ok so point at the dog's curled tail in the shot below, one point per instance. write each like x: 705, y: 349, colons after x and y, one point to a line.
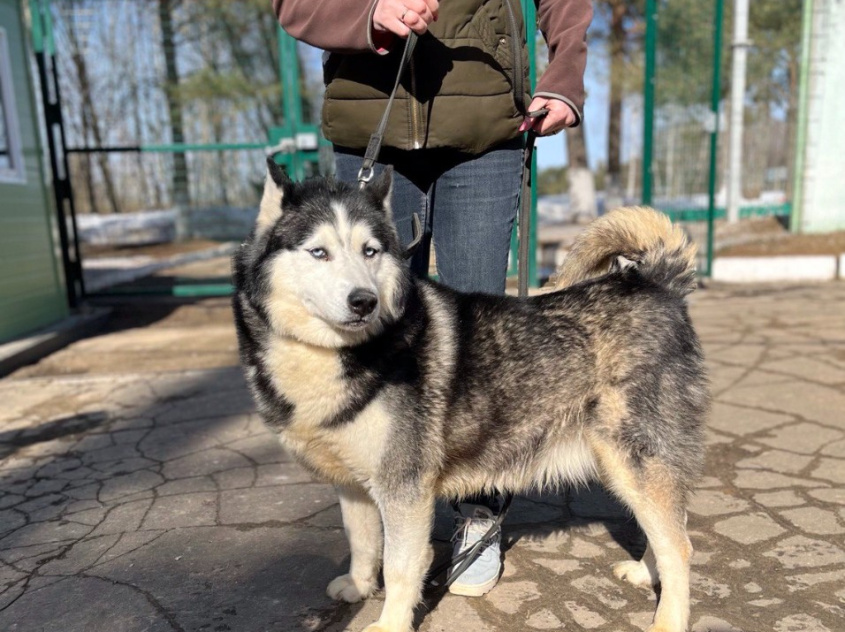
x: 661, y: 251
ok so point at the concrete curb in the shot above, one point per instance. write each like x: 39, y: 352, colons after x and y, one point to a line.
x: 30, y: 349
x: 782, y: 268
x: 131, y: 274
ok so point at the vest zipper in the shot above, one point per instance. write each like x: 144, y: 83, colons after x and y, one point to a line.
x: 416, y: 115
x: 516, y: 51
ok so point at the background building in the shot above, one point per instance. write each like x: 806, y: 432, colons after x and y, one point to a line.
x: 820, y: 187
x: 31, y: 287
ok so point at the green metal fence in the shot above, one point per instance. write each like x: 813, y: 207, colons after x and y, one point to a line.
x: 159, y: 118
x: 530, y: 14
x: 682, y: 115
x: 684, y: 153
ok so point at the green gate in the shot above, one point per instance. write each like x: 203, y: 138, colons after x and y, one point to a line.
x: 158, y: 118
x: 681, y: 116
x: 684, y: 164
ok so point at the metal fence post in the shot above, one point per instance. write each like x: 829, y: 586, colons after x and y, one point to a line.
x: 48, y: 76
x: 291, y: 96
x: 715, y: 98
x: 529, y: 11
x: 739, y: 59
x: 648, y: 99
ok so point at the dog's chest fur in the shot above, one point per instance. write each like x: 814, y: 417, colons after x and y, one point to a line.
x: 309, y: 377
x: 316, y: 383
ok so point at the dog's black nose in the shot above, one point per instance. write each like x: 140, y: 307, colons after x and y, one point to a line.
x: 362, y: 302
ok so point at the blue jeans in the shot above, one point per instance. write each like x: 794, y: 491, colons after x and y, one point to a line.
x: 467, y: 204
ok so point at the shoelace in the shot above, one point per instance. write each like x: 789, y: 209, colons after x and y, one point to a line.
x: 475, y: 526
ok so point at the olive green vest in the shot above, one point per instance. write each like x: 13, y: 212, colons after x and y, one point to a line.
x: 457, y: 93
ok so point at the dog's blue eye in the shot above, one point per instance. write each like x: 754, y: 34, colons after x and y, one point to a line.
x: 370, y: 252
x: 319, y: 253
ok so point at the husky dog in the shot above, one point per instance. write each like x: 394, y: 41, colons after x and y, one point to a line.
x: 399, y: 390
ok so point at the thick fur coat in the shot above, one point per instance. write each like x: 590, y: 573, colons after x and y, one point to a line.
x: 399, y: 390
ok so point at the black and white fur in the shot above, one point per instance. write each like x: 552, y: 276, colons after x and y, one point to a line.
x: 421, y: 392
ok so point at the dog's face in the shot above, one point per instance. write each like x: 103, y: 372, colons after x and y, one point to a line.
x: 324, y: 262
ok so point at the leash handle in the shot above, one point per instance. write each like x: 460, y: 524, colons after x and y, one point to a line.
x: 365, y: 174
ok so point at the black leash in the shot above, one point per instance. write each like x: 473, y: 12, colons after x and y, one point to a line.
x: 365, y: 173
x: 465, y: 559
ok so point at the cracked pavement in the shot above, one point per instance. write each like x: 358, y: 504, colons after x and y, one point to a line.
x: 140, y: 491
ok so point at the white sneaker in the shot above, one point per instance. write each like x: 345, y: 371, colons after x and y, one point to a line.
x: 471, y: 524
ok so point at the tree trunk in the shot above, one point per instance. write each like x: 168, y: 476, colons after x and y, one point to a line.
x: 181, y: 193
x: 582, y: 185
x: 87, y: 167
x: 90, y: 120
x: 619, y: 11
x: 135, y: 97
x: 791, y: 125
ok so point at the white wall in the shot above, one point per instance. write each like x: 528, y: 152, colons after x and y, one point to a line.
x: 823, y: 203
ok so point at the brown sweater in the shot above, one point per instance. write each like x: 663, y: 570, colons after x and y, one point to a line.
x: 345, y: 27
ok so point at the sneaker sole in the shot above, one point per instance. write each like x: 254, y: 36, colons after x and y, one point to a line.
x: 474, y: 590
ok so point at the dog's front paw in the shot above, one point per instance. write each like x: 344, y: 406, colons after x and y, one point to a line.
x: 344, y: 588
x: 375, y: 627
x: 636, y: 573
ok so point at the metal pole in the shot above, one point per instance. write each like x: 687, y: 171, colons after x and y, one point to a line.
x: 291, y: 96
x: 42, y: 32
x: 715, y: 98
x: 795, y: 216
x: 739, y: 47
x: 648, y: 99
x: 530, y: 16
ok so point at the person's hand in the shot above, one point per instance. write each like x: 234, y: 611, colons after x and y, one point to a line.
x: 400, y: 17
x: 560, y: 116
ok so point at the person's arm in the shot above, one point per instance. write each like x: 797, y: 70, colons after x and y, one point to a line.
x: 561, y: 87
x: 353, y: 26
x: 337, y: 25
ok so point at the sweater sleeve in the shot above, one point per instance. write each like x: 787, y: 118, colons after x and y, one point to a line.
x: 564, y: 26
x: 340, y: 26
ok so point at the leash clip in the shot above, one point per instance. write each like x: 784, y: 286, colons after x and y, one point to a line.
x: 365, y: 174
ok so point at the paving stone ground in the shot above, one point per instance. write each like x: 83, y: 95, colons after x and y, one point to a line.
x: 140, y: 492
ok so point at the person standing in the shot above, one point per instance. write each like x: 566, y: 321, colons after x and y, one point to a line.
x: 454, y: 138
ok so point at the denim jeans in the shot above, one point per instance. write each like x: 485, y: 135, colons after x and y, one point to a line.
x: 467, y: 204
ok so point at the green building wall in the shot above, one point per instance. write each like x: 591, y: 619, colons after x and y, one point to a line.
x: 31, y: 286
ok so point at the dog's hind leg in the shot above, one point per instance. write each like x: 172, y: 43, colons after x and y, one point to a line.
x: 407, y: 556
x: 362, y: 523
x: 651, y: 491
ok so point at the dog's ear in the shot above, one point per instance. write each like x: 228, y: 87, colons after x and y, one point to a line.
x: 277, y: 173
x: 381, y: 189
x: 276, y: 187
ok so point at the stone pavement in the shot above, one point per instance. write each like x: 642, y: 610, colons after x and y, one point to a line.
x: 141, y: 492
